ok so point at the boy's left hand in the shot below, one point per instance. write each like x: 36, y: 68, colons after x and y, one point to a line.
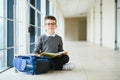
x: 65, y: 53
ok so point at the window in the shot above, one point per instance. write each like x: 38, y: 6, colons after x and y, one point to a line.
x: 14, y: 28
x: 34, y: 22
x: 3, y: 35
x: 27, y: 25
x: 2, y: 44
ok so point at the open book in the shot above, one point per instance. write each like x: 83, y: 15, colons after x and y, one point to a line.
x: 51, y: 55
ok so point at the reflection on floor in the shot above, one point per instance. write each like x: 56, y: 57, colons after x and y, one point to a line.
x: 92, y: 62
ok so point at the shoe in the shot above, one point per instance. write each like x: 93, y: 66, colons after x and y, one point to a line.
x: 68, y: 66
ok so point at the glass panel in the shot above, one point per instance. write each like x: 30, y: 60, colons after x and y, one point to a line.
x: 1, y: 33
x: 20, y: 38
x: 47, y: 7
x: 38, y: 4
x: 1, y: 8
x: 32, y: 2
x: 38, y: 23
x: 32, y: 41
x: 118, y: 27
x: 10, y: 7
x: 118, y: 3
x: 10, y: 43
x: 32, y: 27
x: 2, y: 44
x: 32, y: 16
x: 3, y: 60
x: 10, y: 32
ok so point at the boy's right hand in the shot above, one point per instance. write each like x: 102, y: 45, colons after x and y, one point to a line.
x: 38, y: 55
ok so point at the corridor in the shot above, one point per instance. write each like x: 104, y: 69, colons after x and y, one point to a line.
x: 92, y: 62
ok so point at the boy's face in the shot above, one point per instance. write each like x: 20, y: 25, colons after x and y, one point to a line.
x: 50, y: 26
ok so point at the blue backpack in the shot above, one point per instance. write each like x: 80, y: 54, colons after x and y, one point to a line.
x: 33, y: 64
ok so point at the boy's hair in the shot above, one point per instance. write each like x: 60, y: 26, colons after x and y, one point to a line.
x: 50, y: 17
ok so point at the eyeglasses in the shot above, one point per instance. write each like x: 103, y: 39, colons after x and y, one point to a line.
x: 50, y: 24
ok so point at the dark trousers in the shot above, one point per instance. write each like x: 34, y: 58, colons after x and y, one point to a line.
x: 59, y: 61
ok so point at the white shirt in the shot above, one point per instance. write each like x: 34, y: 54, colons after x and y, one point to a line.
x: 50, y: 35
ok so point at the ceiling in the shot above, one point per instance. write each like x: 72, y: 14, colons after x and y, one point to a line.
x: 75, y: 8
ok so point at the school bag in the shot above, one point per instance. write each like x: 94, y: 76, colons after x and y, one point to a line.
x: 33, y: 64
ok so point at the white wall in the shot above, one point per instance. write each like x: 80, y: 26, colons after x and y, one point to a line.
x: 72, y: 29
x: 108, y: 23
x: 75, y: 29
x: 97, y: 22
x: 90, y: 25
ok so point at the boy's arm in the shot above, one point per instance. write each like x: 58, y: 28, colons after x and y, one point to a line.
x: 63, y: 53
x: 38, y: 46
x: 60, y: 46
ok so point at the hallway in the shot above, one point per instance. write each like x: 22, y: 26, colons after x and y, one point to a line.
x: 92, y: 62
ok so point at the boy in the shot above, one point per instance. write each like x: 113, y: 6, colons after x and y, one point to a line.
x: 52, y: 43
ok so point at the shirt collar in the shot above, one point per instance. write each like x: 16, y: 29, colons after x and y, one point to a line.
x: 50, y: 35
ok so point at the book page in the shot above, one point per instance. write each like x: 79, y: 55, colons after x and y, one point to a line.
x: 53, y: 54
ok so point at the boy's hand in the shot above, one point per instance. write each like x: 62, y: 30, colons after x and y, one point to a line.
x: 38, y: 55
x: 64, y: 53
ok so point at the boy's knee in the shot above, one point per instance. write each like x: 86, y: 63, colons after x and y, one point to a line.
x: 66, y: 58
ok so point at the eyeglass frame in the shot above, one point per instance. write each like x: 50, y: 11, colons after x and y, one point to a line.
x: 48, y: 24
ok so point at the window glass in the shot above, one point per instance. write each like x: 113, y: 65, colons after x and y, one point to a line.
x: 38, y: 23
x: 32, y: 2
x: 1, y: 8
x: 47, y: 7
x: 1, y: 33
x: 2, y: 36
x: 1, y: 43
x: 20, y: 27
x: 38, y: 4
x: 118, y: 3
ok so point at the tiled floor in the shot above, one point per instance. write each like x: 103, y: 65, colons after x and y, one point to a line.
x: 92, y: 62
